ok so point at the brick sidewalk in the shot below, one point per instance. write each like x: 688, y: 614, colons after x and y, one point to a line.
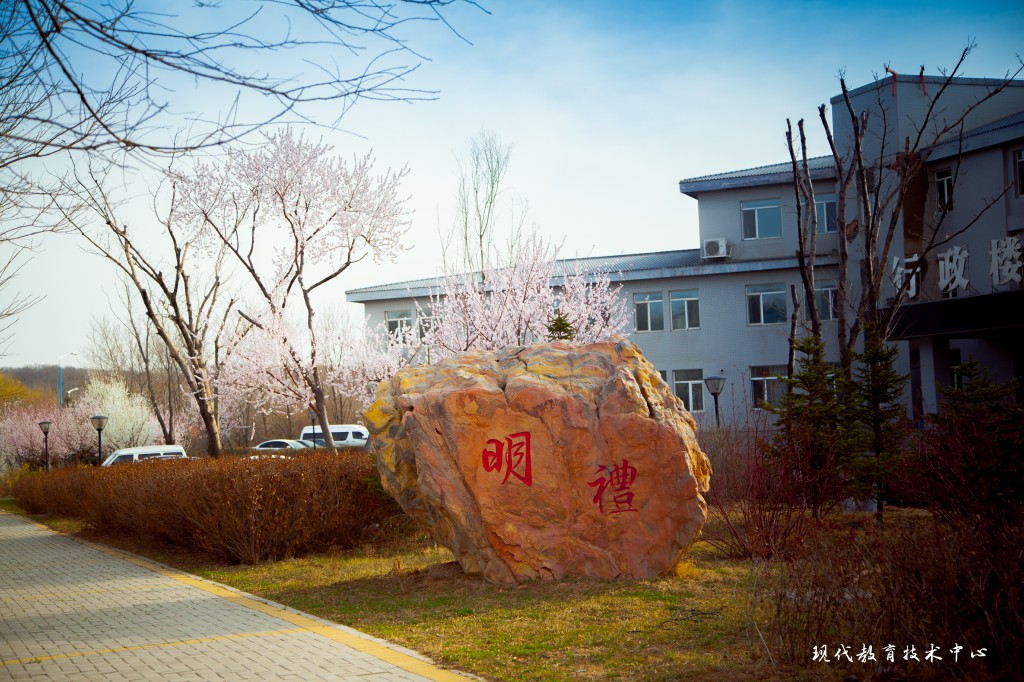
x: 71, y: 610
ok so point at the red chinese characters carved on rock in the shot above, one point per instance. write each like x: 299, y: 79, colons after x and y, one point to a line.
x: 620, y: 479
x: 514, y: 453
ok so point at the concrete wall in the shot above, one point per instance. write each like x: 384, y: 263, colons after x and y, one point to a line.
x: 720, y: 215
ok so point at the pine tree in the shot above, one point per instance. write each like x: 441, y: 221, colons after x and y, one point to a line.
x: 818, y: 437
x: 560, y: 329
x: 878, y: 390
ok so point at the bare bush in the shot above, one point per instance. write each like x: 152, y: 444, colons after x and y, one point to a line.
x: 915, y: 583
x: 240, y: 510
x: 755, y: 501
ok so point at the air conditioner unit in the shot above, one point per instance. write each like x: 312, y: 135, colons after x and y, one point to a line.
x: 716, y: 248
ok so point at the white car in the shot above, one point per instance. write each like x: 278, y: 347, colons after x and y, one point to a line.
x: 282, y: 444
x: 146, y: 452
x: 344, y: 435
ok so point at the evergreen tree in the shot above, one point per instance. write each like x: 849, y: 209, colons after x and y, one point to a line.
x: 877, y: 392
x: 560, y: 329
x: 818, y: 437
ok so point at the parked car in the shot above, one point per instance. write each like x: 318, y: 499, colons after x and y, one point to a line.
x: 344, y: 435
x: 144, y: 453
x: 282, y: 444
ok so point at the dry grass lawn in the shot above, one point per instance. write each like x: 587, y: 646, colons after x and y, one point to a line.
x: 690, y: 625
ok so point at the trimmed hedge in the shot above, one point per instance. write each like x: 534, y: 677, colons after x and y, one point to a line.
x: 241, y: 510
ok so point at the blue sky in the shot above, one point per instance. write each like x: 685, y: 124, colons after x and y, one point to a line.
x: 607, y: 105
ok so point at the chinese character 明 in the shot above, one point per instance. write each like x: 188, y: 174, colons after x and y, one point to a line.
x: 952, y: 264
x: 820, y: 654
x: 620, y: 479
x: 910, y: 653
x: 1006, y: 261
x: 514, y: 453
x: 931, y: 655
x: 867, y: 653
x: 843, y: 650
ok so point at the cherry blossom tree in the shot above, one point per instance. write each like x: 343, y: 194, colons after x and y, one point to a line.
x: 294, y: 216
x: 71, y: 435
x: 502, y: 306
x: 131, y: 422
x: 181, y: 284
x: 371, y: 355
x: 513, y: 304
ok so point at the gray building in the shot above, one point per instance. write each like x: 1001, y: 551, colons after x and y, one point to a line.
x: 724, y: 309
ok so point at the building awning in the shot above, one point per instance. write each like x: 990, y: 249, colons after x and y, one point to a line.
x: 960, y: 316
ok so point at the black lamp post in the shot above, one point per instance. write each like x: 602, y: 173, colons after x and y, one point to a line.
x: 312, y: 426
x: 715, y: 385
x: 98, y: 422
x: 44, y: 426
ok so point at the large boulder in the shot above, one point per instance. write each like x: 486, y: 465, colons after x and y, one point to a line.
x: 544, y: 461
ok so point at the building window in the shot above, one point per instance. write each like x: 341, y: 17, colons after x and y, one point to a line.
x: 688, y: 385
x: 1018, y: 165
x: 766, y: 303
x: 827, y: 300
x: 664, y: 375
x: 956, y: 369
x: 397, y: 319
x: 944, y: 189
x: 761, y: 219
x: 766, y: 385
x: 650, y: 312
x: 685, y: 309
x: 825, y: 211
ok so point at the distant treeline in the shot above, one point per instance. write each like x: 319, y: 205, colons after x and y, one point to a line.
x: 45, y: 377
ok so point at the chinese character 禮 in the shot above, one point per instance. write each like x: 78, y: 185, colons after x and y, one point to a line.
x: 620, y: 479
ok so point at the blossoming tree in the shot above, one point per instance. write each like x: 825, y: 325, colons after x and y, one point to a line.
x: 294, y: 216
x: 508, y: 305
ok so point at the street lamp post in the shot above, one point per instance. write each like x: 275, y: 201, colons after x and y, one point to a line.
x: 99, y: 422
x: 715, y: 385
x: 44, y: 426
x: 312, y: 426
x: 60, y: 377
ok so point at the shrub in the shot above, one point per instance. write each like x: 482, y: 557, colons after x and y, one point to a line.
x: 967, y: 464
x: 918, y: 583
x: 756, y: 509
x: 240, y: 510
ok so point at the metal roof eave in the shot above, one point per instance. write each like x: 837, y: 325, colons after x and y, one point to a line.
x: 707, y: 267
x: 692, y: 188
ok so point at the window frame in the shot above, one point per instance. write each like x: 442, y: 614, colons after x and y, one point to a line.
x: 754, y: 207
x: 1018, y: 166
x: 823, y: 225
x: 694, y: 388
x: 761, y: 308
x: 766, y: 384
x: 403, y: 318
x: 944, y: 189
x: 648, y: 304
x: 686, y: 299
x: 832, y: 302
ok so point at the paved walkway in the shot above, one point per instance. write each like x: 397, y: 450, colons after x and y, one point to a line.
x: 71, y: 610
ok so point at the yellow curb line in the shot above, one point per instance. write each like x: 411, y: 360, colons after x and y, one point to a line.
x: 364, y: 645
x: 75, y: 593
x: 153, y: 645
